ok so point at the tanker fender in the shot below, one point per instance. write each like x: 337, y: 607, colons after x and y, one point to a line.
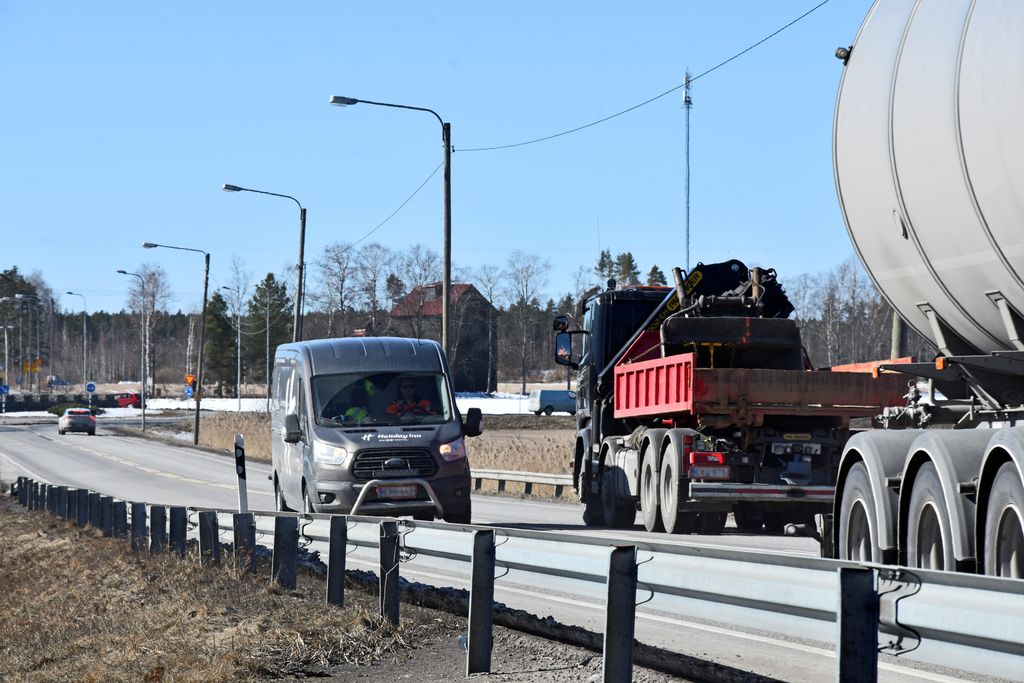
x: 1006, y: 445
x: 957, y: 456
x: 883, y: 453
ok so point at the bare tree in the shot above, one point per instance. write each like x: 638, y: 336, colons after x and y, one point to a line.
x: 490, y: 280
x: 336, y: 269
x: 375, y: 260
x: 420, y: 268
x: 527, y: 276
x: 148, y: 297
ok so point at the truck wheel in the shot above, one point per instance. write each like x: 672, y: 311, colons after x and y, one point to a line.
x: 711, y: 523
x: 307, y: 504
x: 463, y: 517
x: 1004, y: 525
x: 929, y: 535
x: 858, y: 528
x: 676, y: 521
x: 548, y: 410
x: 279, y: 503
x: 619, y: 512
x: 649, y: 496
x: 593, y: 515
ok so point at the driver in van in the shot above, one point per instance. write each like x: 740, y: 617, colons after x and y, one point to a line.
x: 409, y: 402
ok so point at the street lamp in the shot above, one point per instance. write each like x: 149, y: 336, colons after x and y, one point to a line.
x: 297, y: 316
x: 446, y: 139
x: 238, y: 344
x: 142, y: 351
x: 202, y: 328
x: 85, y: 339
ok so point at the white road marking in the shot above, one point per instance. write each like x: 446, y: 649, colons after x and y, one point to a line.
x: 24, y: 469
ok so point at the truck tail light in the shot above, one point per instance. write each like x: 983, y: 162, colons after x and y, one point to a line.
x: 708, y: 465
x: 706, y: 458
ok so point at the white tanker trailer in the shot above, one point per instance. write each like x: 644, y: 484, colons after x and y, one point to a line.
x: 929, y: 167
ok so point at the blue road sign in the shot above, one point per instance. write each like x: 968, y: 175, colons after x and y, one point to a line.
x: 90, y: 387
x: 188, y: 392
x: 4, y: 389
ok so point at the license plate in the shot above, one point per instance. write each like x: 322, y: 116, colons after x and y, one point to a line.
x: 396, y: 491
x: 709, y: 472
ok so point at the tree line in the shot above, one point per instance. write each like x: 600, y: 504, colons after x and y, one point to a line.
x: 354, y: 289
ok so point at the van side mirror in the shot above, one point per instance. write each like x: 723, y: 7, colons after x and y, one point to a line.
x: 474, y: 422
x: 563, y: 350
x: 292, y: 430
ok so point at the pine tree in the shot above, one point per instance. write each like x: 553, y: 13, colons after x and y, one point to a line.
x: 605, y: 269
x: 219, y: 358
x: 656, y: 277
x: 627, y: 271
x: 269, y: 308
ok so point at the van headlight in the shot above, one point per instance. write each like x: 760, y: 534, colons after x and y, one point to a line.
x: 325, y: 454
x: 454, y: 450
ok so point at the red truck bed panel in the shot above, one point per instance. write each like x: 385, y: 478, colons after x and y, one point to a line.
x: 673, y: 386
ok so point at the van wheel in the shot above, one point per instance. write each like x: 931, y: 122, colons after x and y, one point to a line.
x: 463, y: 517
x: 548, y: 410
x: 279, y: 503
x: 536, y: 412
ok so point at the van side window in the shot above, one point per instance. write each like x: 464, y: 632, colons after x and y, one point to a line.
x: 300, y: 405
x: 282, y: 391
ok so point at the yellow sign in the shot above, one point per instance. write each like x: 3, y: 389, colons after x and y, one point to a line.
x: 190, y: 379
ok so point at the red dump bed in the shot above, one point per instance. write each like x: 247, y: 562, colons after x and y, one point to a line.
x: 672, y: 386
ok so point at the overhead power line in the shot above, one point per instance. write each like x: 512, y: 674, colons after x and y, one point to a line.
x: 401, y: 206
x: 656, y: 97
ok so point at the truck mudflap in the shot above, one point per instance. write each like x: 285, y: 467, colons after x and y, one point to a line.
x: 751, y: 493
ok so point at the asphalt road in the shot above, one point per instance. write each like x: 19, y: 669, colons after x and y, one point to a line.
x: 137, y: 469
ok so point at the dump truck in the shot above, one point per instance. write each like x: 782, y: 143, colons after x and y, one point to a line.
x: 698, y: 400
x: 929, y: 171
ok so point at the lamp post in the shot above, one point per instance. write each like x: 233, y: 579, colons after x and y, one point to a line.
x: 202, y: 327
x: 238, y: 344
x: 7, y: 356
x: 145, y: 348
x: 85, y: 339
x: 20, y: 349
x: 446, y: 140
x: 297, y: 316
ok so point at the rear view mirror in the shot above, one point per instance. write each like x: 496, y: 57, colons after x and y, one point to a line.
x: 563, y: 350
x: 474, y: 422
x: 292, y: 429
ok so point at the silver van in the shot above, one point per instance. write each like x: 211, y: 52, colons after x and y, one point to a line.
x: 549, y: 401
x: 369, y: 425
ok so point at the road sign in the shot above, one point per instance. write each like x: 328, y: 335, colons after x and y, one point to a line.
x: 90, y: 387
x: 188, y: 392
x: 190, y: 380
x: 4, y: 389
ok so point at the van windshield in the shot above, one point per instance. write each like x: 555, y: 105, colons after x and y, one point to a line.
x: 381, y: 398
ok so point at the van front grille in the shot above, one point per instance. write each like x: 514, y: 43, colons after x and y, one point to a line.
x: 416, y: 462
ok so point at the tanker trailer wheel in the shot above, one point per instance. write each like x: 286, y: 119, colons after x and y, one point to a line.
x: 1004, y: 525
x: 676, y: 521
x: 649, y: 495
x: 929, y: 535
x: 619, y: 512
x: 858, y: 528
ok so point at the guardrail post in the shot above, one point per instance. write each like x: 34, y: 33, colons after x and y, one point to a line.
x: 209, y: 539
x: 620, y: 615
x: 52, y: 506
x: 558, y: 490
x: 83, y: 507
x: 284, y: 565
x: 389, y: 588
x: 120, y: 515
x: 501, y: 485
x: 857, y: 625
x: 528, y: 488
x: 22, y: 498
x: 48, y: 497
x: 35, y: 496
x: 179, y: 530
x: 244, y: 525
x: 477, y: 483
x: 157, y: 528
x: 138, y: 526
x: 62, y: 501
x: 95, y: 510
x: 336, y: 561
x: 107, y: 515
x: 72, y: 515
x: 481, y: 604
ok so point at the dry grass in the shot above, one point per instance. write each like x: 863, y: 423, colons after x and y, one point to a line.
x: 523, y: 443
x: 81, y: 607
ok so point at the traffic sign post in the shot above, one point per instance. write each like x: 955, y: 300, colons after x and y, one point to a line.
x: 188, y: 392
x: 90, y: 387
x: 3, y: 403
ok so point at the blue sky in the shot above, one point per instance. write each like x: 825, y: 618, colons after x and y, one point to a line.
x: 121, y: 121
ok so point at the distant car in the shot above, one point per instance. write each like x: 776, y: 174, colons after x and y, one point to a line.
x: 549, y: 401
x: 130, y: 400
x: 77, y: 420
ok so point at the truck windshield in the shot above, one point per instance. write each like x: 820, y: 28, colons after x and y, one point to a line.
x: 381, y: 398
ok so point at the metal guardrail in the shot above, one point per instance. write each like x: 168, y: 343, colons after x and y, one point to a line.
x: 968, y: 622
x: 559, y: 481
